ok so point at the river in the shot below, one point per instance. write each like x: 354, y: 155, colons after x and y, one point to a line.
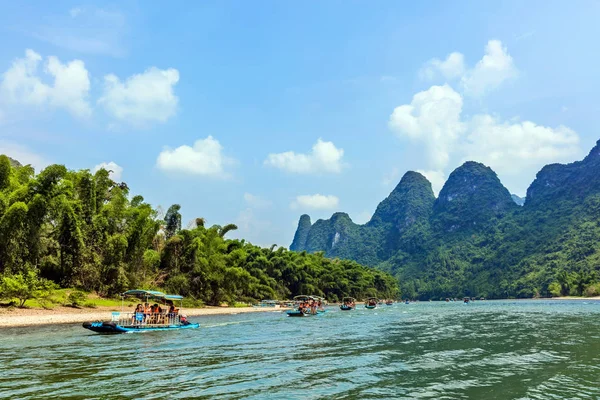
x: 483, y: 350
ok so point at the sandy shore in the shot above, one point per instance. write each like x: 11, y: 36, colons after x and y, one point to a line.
x: 67, y: 315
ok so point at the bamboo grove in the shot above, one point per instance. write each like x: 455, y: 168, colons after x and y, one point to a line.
x: 83, y: 230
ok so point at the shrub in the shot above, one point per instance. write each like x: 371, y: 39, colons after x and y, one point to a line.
x: 76, y: 298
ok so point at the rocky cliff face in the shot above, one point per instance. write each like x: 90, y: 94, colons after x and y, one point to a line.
x: 557, y: 183
x: 304, y: 226
x: 472, y: 197
x: 411, y: 201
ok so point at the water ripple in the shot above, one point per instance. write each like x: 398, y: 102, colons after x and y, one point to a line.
x: 492, y: 350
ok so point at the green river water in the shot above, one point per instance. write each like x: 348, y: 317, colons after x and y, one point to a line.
x: 483, y: 350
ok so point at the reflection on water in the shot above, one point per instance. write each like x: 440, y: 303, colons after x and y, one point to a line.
x: 492, y: 350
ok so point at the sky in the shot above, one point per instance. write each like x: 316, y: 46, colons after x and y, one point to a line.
x: 254, y: 113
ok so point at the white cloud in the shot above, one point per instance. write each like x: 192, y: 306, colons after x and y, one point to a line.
x: 23, y: 155
x: 22, y: 85
x: 115, y: 170
x: 496, y: 67
x: 451, y: 68
x: 493, y: 69
x: 142, y: 98
x: 256, y: 201
x: 315, y: 202
x: 324, y: 157
x: 205, y: 158
x: 436, y: 177
x: 515, y: 149
x: 433, y: 117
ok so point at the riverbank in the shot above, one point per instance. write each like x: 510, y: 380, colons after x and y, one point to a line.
x: 69, y: 315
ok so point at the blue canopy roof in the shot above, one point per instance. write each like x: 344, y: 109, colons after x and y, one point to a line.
x: 141, y: 292
x: 151, y: 294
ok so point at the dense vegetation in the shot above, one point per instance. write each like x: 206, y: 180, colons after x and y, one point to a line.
x: 78, y: 229
x: 474, y: 240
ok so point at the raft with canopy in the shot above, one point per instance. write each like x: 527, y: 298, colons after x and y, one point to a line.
x: 371, y: 303
x: 348, y: 303
x: 298, y: 311
x: 158, y: 320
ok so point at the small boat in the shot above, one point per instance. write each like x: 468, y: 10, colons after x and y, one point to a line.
x: 407, y: 302
x: 348, y: 303
x: 297, y: 313
x: 122, y: 322
x: 371, y: 303
x: 466, y: 300
x: 302, y: 307
x: 389, y: 302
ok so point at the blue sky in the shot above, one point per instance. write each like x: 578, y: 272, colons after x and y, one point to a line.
x: 258, y: 112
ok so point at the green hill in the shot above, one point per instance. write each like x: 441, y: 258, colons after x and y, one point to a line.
x: 474, y: 240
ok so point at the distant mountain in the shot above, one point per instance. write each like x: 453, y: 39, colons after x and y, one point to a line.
x: 518, y: 200
x: 476, y: 239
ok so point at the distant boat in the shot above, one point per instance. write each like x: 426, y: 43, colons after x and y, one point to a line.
x: 269, y: 303
x: 348, y: 303
x: 161, y: 320
x: 407, y: 302
x: 389, y: 302
x: 371, y: 303
x: 466, y: 300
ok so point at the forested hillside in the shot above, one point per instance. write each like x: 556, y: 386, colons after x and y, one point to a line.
x: 83, y: 230
x: 474, y: 239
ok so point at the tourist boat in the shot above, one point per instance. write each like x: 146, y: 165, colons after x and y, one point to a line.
x: 406, y: 301
x: 371, y: 303
x: 300, y: 312
x: 389, y: 302
x: 348, y: 303
x: 125, y: 322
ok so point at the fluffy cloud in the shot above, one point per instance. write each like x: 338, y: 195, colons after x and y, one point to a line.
x: 205, y: 158
x: 22, y: 154
x: 488, y: 74
x: 315, y: 202
x: 495, y: 67
x: 256, y: 201
x: 142, y: 98
x: 436, y: 177
x: 451, y: 68
x: 115, y: 170
x: 433, y: 117
x: 324, y: 157
x: 515, y: 150
x: 22, y: 84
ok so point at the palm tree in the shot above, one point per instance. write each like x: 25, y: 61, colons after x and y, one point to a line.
x: 229, y: 227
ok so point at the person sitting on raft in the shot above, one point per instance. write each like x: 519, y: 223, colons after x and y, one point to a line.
x: 138, y: 310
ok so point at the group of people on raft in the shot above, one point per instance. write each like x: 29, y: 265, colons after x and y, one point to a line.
x: 349, y: 303
x: 155, y: 314
x: 311, y: 306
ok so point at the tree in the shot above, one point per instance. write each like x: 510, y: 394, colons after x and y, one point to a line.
x: 172, y: 221
x: 25, y: 286
x: 227, y: 228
